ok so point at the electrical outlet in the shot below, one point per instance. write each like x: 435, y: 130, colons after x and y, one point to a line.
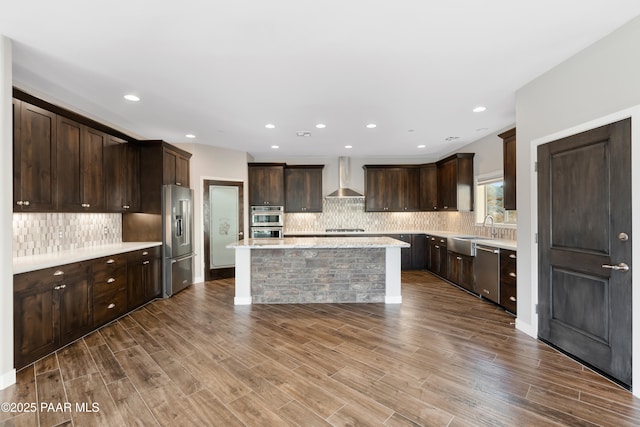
x: 105, y: 231
x: 60, y: 234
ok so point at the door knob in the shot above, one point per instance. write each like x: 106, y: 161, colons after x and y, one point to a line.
x: 622, y: 266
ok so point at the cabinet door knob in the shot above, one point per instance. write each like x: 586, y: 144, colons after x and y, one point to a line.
x: 512, y: 299
x: 512, y: 256
x: 512, y: 274
x: 486, y: 291
x: 178, y: 183
x: 459, y: 258
x: 145, y: 263
x: 26, y: 203
x: 110, y: 306
x: 110, y: 261
x: 111, y: 280
x: 19, y: 203
x: 58, y: 273
x: 145, y: 253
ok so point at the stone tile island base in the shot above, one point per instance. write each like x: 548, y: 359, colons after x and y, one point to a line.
x: 318, y: 270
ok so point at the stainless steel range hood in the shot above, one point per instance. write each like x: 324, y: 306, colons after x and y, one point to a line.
x: 344, y: 170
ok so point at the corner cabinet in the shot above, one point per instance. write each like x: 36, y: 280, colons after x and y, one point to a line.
x: 266, y: 184
x: 509, y: 168
x: 303, y: 188
x: 392, y: 188
x: 455, y: 182
x: 163, y: 164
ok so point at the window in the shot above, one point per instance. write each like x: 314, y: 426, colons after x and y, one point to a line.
x: 489, y: 200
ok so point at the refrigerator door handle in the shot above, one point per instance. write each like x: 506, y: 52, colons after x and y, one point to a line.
x: 173, y: 261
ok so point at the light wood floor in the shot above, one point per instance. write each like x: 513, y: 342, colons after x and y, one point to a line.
x: 442, y: 358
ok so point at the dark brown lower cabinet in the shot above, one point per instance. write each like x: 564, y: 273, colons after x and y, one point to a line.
x: 51, y: 308
x: 437, y: 262
x: 55, y: 306
x: 144, y: 271
x: 508, y: 280
x: 460, y: 270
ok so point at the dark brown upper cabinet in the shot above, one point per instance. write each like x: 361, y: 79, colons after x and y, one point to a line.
x: 266, y: 184
x: 80, y: 167
x: 429, y: 187
x: 455, y: 182
x: 122, y: 175
x: 34, y: 151
x: 509, y: 168
x: 392, y: 188
x: 303, y: 188
x: 161, y: 164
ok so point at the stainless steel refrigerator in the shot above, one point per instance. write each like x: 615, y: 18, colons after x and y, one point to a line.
x: 177, y: 233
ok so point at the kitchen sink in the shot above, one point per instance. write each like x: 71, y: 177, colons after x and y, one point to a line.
x: 464, y: 245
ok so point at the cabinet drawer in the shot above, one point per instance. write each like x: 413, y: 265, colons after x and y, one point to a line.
x: 109, y: 307
x: 144, y: 254
x: 25, y: 281
x: 106, y: 267
x: 110, y: 284
x: 508, y: 296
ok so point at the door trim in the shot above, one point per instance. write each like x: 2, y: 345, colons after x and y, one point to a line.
x: 532, y: 328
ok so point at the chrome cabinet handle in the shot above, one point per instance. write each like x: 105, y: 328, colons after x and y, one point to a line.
x: 57, y: 288
x: 145, y: 263
x: 459, y: 258
x: 26, y: 203
x: 178, y: 183
x: 512, y: 256
x: 110, y: 306
x: 86, y: 205
x: 145, y: 253
x: 622, y: 266
x: 110, y: 261
x: 19, y: 203
x: 512, y: 274
x: 512, y: 299
x: 486, y: 291
x: 111, y: 280
x: 58, y: 273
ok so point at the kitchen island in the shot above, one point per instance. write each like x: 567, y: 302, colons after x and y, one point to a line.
x: 318, y: 270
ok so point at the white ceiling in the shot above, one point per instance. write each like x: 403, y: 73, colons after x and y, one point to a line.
x: 223, y: 69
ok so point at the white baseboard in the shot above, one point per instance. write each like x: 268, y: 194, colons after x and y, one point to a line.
x: 242, y: 301
x: 527, y: 328
x: 393, y: 300
x: 7, y: 379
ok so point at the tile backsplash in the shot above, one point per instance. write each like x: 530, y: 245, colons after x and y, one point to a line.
x: 41, y: 233
x: 349, y: 213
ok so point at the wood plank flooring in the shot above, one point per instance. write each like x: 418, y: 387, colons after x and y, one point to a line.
x: 442, y: 358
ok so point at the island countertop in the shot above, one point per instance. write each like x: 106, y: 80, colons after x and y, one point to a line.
x: 320, y: 242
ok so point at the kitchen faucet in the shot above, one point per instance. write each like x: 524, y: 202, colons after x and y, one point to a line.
x: 494, y: 233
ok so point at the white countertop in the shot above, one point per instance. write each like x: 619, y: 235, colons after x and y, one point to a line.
x: 481, y: 240
x: 37, y: 262
x: 320, y: 242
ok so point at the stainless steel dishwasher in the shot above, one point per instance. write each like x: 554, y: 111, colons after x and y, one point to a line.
x: 488, y: 272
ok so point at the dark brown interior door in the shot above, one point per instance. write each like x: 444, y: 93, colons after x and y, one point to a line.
x: 584, y: 231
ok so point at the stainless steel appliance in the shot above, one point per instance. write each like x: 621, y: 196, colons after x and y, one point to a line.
x: 266, y: 232
x: 267, y: 216
x: 177, y: 233
x: 267, y: 222
x: 488, y: 272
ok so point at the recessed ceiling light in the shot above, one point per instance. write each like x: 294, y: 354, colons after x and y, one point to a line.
x: 275, y: 147
x: 421, y: 146
x: 132, y: 97
x: 270, y: 126
x: 479, y: 109
x: 348, y: 146
x: 303, y: 133
x: 371, y: 125
x: 321, y: 126
x: 190, y: 136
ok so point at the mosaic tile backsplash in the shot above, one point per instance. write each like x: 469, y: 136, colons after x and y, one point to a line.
x: 41, y: 233
x: 349, y: 213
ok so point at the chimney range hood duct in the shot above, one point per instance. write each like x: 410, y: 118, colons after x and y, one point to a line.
x: 344, y: 170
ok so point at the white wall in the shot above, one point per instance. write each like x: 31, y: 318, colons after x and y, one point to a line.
x: 598, y: 85
x: 7, y: 373
x: 217, y: 164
